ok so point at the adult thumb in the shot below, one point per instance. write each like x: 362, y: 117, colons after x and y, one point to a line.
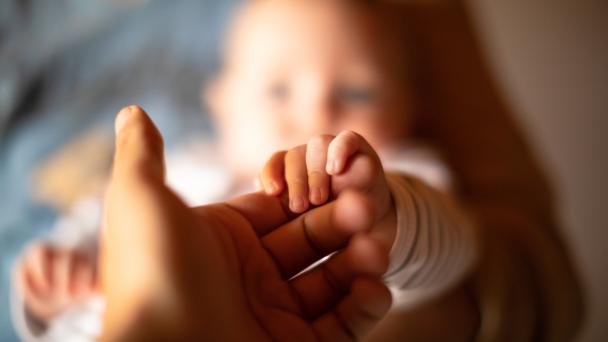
x: 133, y: 225
x: 139, y: 147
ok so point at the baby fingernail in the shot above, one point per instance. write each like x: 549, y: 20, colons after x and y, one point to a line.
x: 331, y: 166
x: 298, y: 204
x: 315, y: 195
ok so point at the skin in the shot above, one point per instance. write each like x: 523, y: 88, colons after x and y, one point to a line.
x: 245, y: 254
x: 341, y: 43
x: 326, y: 167
x: 304, y: 80
x: 341, y: 75
x: 351, y: 85
x: 54, y: 279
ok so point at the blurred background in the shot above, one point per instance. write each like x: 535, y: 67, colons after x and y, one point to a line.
x: 66, y: 67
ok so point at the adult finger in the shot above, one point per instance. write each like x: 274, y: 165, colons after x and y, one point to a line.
x: 317, y: 233
x: 137, y: 184
x: 354, y: 317
x: 137, y: 209
x: 265, y: 213
x: 139, y: 147
x: 322, y: 287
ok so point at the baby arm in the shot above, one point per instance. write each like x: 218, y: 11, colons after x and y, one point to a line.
x: 431, y: 241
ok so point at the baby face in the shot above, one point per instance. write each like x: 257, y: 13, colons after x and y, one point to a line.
x: 294, y: 69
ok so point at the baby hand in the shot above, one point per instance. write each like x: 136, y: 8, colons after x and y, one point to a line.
x: 326, y: 166
x: 52, y: 280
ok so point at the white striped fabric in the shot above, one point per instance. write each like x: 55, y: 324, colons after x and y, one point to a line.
x: 435, y: 244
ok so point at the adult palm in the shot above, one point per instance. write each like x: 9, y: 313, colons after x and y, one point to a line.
x: 230, y: 271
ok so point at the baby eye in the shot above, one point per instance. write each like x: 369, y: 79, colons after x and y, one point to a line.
x: 356, y: 95
x: 279, y: 92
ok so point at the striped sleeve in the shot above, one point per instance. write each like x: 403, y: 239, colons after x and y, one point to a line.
x: 435, y: 244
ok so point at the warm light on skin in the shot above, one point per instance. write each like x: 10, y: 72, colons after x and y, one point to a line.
x: 296, y: 69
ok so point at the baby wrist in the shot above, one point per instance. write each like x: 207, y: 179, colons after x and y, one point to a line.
x: 405, y: 223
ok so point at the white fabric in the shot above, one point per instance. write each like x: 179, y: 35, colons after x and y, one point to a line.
x: 434, y: 246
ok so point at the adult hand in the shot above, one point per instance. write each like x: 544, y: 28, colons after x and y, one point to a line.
x: 230, y: 271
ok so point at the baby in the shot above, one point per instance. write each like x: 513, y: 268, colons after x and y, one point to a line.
x: 333, y: 74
